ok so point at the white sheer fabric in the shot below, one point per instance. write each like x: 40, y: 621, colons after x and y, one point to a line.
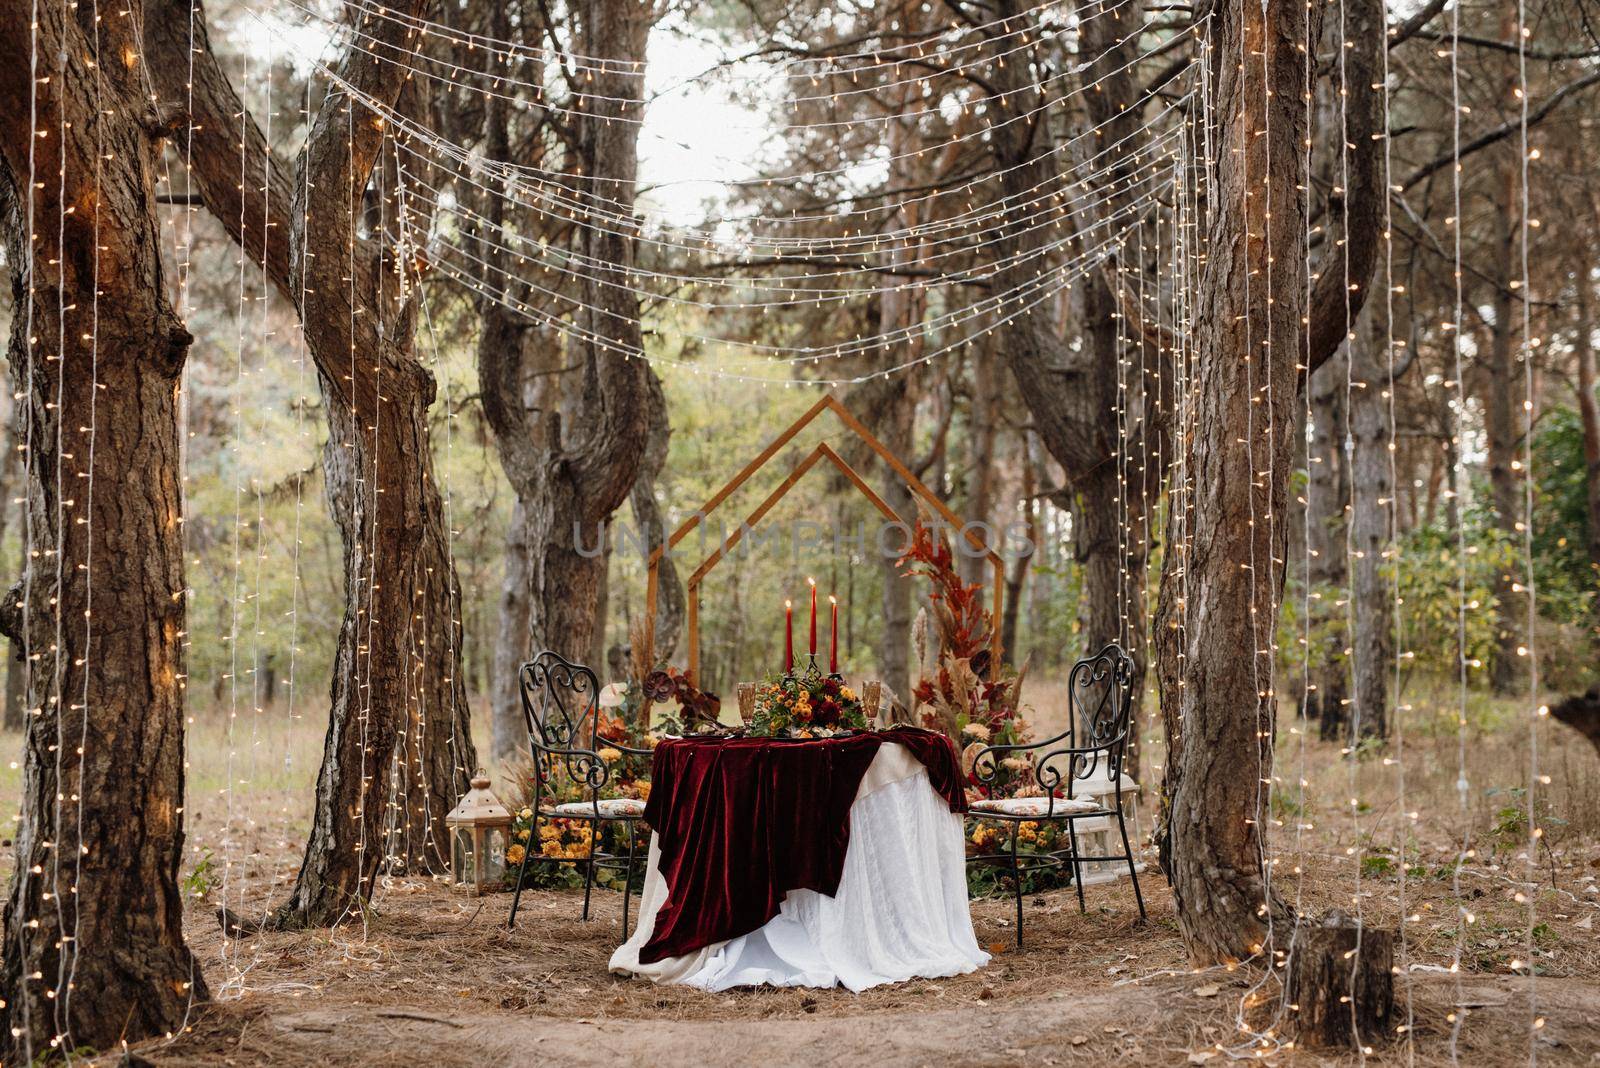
x: 900, y: 913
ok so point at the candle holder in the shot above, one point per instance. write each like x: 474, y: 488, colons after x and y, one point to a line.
x: 809, y: 670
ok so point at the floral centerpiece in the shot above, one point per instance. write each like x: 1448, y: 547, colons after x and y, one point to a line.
x: 809, y: 705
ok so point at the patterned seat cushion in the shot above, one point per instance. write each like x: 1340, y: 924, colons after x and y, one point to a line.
x: 616, y: 808
x: 1033, y: 806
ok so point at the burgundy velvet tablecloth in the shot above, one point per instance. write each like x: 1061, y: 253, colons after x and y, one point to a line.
x: 740, y: 822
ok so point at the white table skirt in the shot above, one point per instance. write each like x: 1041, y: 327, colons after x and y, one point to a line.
x: 900, y: 913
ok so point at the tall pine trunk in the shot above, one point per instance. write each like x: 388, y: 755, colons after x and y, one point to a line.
x: 1589, y: 418
x: 94, y: 950
x: 1073, y: 392
x: 1218, y: 700
x: 1327, y: 505
x: 1371, y: 531
x: 398, y: 663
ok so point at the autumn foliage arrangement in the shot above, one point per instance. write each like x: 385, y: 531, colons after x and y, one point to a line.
x: 958, y: 694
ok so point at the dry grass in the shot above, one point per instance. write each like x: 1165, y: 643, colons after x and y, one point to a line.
x: 432, y: 976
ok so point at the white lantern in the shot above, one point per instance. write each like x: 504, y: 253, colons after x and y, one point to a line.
x: 480, y: 831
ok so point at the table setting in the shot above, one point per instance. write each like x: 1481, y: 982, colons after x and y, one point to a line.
x: 803, y: 847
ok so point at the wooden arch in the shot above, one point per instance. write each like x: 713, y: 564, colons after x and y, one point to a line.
x: 823, y: 451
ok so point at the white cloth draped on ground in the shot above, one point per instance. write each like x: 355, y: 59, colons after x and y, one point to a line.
x: 900, y: 913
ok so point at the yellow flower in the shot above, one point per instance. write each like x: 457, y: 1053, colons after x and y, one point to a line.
x: 847, y: 693
x: 527, y: 813
x: 976, y: 730
x: 551, y: 849
x: 522, y: 835
x: 610, y: 755
x: 515, y: 854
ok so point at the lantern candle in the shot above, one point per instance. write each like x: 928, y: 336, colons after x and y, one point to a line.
x: 813, y: 619
x: 833, y: 635
x: 788, y: 636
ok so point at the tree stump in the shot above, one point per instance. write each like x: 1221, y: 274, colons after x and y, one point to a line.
x: 1341, y: 998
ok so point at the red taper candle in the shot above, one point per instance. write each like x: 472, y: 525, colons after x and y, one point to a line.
x: 813, y: 618
x: 788, y: 635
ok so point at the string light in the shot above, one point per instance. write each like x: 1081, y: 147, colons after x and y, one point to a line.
x: 1529, y: 580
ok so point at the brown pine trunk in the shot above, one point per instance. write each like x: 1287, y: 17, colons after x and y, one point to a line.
x: 1503, y: 435
x: 1371, y: 525
x: 651, y: 523
x: 588, y: 456
x: 894, y: 428
x: 1073, y: 396
x: 1221, y: 719
x: 1327, y: 505
x: 378, y: 465
x: 1017, y: 576
x: 435, y: 757
x: 507, y: 732
x: 94, y: 949
x: 1589, y: 416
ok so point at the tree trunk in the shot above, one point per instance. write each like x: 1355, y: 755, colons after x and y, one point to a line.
x: 508, y: 733
x: 983, y: 433
x: 1582, y: 713
x: 1371, y: 525
x: 1341, y: 983
x: 1218, y: 701
x: 1327, y: 507
x: 569, y: 443
x: 378, y: 464
x: 16, y: 663
x: 1073, y: 396
x: 94, y: 951
x: 652, y: 524
x: 1503, y: 433
x: 1018, y: 575
x: 895, y: 429
x: 435, y: 758
x: 1589, y: 416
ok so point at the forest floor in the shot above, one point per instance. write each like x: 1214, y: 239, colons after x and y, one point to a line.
x: 432, y: 977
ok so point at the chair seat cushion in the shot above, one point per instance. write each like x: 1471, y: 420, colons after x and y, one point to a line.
x: 614, y: 808
x: 1100, y: 785
x: 1033, y: 806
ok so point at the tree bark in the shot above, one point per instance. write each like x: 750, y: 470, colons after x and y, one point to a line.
x: 378, y: 462
x: 569, y: 444
x: 1581, y: 712
x: 895, y: 428
x: 1341, y: 983
x: 1218, y: 701
x: 1502, y: 434
x: 1589, y: 417
x: 94, y: 950
x: 1327, y: 505
x: 1073, y: 396
x: 1371, y: 532
x: 651, y: 523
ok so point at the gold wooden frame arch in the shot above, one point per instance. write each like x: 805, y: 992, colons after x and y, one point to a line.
x: 823, y: 451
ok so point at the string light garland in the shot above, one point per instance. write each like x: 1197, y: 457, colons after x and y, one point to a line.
x: 1464, y: 916
x: 1154, y: 213
x: 1529, y: 651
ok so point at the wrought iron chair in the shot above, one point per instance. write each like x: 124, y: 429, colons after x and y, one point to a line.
x: 561, y: 705
x: 1078, y: 770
